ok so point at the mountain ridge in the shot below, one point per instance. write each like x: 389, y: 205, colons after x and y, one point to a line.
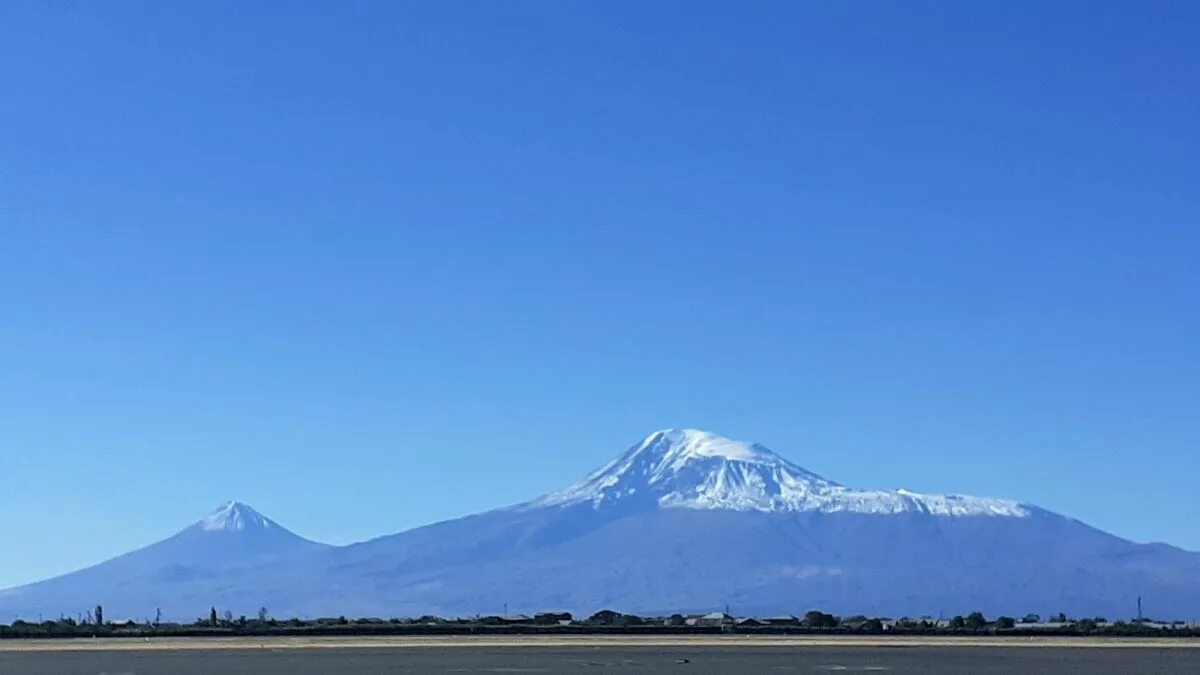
x: 690, y: 468
x: 682, y: 520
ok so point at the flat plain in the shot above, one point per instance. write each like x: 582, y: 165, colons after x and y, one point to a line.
x: 696, y: 655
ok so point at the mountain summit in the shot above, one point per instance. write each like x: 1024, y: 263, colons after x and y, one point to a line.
x: 689, y: 468
x: 234, y: 534
x: 235, y: 517
x: 682, y: 521
x: 180, y: 571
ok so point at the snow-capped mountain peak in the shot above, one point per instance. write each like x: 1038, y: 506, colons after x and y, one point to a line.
x: 234, y: 517
x: 689, y: 468
x: 682, y: 445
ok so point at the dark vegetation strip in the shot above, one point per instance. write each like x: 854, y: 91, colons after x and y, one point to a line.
x: 601, y: 623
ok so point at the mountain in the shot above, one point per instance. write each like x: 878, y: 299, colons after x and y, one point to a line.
x: 686, y: 521
x: 173, y: 573
x: 700, y: 470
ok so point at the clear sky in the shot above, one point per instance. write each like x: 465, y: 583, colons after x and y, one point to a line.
x: 370, y: 265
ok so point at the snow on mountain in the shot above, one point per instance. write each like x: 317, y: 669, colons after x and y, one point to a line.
x: 684, y: 520
x: 179, y: 574
x: 234, y: 534
x: 689, y: 468
x: 234, y: 517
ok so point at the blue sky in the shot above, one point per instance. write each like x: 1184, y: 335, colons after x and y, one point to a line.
x: 371, y: 265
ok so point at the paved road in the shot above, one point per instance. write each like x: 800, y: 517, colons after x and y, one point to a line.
x: 615, y: 659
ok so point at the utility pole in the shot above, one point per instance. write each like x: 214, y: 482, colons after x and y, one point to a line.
x: 1139, y: 608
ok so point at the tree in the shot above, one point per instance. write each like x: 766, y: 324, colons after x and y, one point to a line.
x: 606, y: 617
x: 551, y: 618
x: 212, y: 617
x: 676, y: 620
x: 873, y: 626
x: 1005, y: 622
x: 817, y: 619
x: 958, y: 623
x: 976, y: 620
x: 263, y: 615
x: 99, y: 615
x: 1059, y: 618
x: 157, y: 616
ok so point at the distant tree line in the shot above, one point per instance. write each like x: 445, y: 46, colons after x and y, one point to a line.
x: 96, y: 624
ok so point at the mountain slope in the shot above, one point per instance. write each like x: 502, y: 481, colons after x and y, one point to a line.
x: 186, y: 565
x: 683, y: 521
x: 687, y: 560
x: 687, y: 520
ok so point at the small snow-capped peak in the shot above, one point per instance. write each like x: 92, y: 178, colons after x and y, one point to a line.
x: 694, y: 469
x: 234, y: 516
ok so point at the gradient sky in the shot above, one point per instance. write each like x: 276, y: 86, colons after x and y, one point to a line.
x: 371, y: 265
